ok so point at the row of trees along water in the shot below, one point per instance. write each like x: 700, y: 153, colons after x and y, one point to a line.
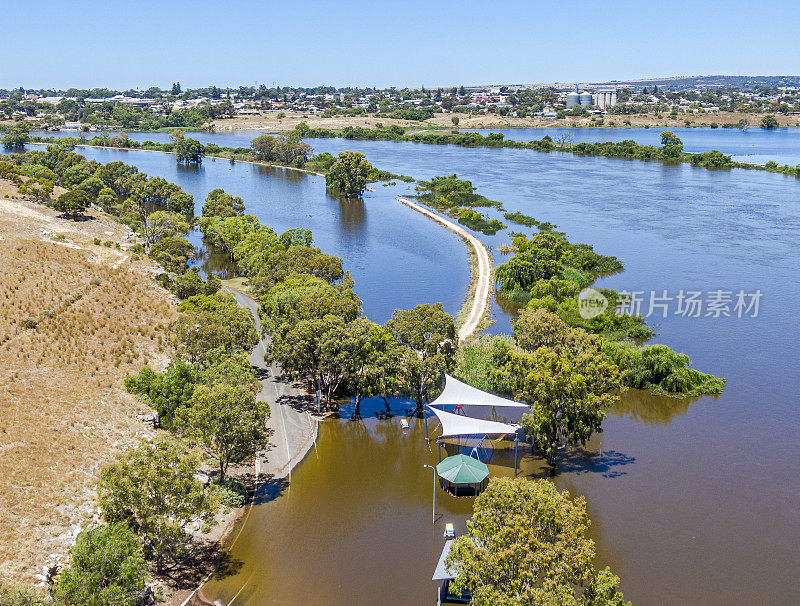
x: 671, y: 150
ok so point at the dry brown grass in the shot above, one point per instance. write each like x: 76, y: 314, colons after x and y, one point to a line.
x: 268, y: 121
x: 65, y: 412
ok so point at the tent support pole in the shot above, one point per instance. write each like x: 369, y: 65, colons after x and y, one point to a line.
x: 516, y: 441
x: 425, y: 415
x: 439, y: 449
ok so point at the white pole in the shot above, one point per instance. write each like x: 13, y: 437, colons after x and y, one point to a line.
x: 433, y: 520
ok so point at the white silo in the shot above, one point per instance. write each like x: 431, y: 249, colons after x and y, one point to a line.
x: 585, y: 99
x: 573, y: 99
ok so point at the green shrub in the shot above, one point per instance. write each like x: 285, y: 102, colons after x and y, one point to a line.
x: 231, y: 493
x: 661, y: 370
x: 164, y: 392
x: 581, y: 278
x: 475, y: 360
x: 29, y: 322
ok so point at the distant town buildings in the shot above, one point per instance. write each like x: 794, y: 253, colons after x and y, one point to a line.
x: 101, y: 107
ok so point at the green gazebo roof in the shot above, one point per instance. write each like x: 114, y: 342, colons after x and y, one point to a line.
x: 461, y: 469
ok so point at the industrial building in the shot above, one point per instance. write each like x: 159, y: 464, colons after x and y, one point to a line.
x: 601, y: 98
x: 605, y: 98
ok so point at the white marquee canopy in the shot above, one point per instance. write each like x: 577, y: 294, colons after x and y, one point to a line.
x: 460, y: 425
x: 478, y: 404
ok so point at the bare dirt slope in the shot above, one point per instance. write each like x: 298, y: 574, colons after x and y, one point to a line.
x: 64, y: 412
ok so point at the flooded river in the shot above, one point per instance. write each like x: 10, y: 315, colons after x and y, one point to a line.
x: 692, y: 502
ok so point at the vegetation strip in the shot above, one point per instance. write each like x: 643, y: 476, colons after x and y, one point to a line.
x: 670, y: 152
x: 478, y: 306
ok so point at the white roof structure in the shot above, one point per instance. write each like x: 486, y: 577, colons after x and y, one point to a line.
x: 477, y: 403
x: 459, y: 425
x: 441, y: 573
x: 456, y: 392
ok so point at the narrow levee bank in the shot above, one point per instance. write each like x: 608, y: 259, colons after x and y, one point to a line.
x: 483, y: 274
x: 293, y: 432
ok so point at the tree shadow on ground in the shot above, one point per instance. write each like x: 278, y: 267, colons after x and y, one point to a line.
x: 75, y: 218
x: 607, y: 462
x: 300, y: 403
x: 270, y: 489
x: 262, y: 373
x: 202, y: 558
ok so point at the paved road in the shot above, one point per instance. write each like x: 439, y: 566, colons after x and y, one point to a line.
x: 292, y: 430
x: 479, y: 305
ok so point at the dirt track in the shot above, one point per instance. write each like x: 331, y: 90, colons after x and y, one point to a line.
x: 478, y: 306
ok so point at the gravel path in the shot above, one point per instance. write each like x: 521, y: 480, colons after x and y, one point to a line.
x: 479, y: 305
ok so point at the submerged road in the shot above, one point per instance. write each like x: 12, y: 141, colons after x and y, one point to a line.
x: 478, y: 305
x: 292, y: 430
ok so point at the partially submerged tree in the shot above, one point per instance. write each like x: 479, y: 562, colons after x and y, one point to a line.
x: 569, y: 389
x: 539, y: 258
x: 349, y: 174
x: 428, y: 335
x: 285, y: 149
x: 372, y: 362
x: 526, y: 545
x: 17, y: 136
x: 188, y: 151
x: 769, y: 122
x: 671, y: 145
x: 220, y: 204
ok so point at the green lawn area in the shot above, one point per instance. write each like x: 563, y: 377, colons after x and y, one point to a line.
x: 240, y: 284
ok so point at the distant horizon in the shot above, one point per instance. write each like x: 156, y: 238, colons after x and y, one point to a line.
x: 418, y: 87
x: 358, y: 43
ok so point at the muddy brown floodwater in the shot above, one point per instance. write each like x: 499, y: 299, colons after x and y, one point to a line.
x: 353, y: 526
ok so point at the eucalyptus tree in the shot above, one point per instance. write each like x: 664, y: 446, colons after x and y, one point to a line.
x: 427, y: 338
x: 349, y: 173
x: 152, y: 489
x: 227, y: 421
x: 526, y: 545
x: 569, y: 387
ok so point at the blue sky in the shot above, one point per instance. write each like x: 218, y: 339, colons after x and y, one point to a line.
x: 123, y: 44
